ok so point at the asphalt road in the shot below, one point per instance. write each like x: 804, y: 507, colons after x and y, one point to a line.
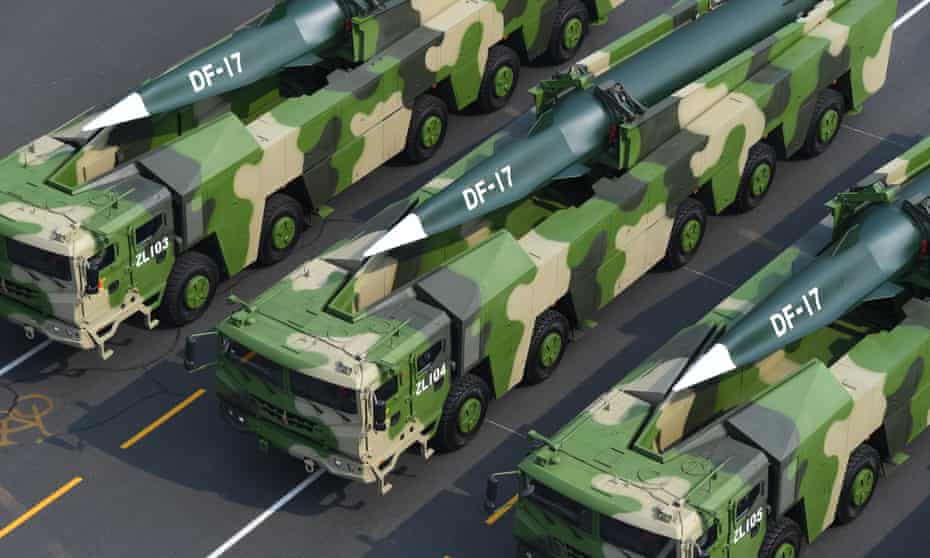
x: 190, y: 485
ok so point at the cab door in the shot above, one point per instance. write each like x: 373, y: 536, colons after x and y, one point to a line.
x: 152, y: 246
x: 748, y: 518
x: 432, y: 375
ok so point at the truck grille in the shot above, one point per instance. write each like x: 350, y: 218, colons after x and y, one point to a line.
x: 288, y: 420
x: 563, y: 550
x: 17, y: 290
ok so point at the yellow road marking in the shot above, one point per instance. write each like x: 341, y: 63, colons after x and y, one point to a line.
x: 163, y: 419
x: 40, y: 506
x: 502, y: 511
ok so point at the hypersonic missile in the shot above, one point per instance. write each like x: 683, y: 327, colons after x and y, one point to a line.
x: 871, y: 260
x: 294, y: 33
x: 576, y: 130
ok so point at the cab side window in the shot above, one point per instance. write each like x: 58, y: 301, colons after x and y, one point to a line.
x: 429, y: 357
x: 388, y: 390
x: 742, y: 507
x: 104, y: 258
x: 149, y: 229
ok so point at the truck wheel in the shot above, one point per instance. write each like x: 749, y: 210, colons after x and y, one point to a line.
x: 687, y: 233
x: 550, y: 337
x: 859, y: 483
x: 568, y: 31
x: 500, y: 78
x: 190, y: 289
x: 757, y: 177
x: 281, y: 228
x: 463, y: 412
x: 782, y: 540
x: 825, y: 125
x: 427, y: 128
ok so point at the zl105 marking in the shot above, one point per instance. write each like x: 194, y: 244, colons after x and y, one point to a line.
x: 749, y: 525
x: 203, y: 78
x: 154, y: 250
x: 783, y: 321
x: 474, y: 196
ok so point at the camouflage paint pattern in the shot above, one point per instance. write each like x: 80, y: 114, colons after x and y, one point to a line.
x: 573, y: 246
x: 676, y: 466
x: 213, y: 165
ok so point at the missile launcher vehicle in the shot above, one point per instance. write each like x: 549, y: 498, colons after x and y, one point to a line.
x: 759, y: 461
x: 353, y: 359
x: 219, y: 162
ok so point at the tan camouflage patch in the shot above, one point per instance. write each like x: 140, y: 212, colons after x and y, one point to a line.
x: 475, y: 232
x: 643, y: 244
x: 816, y: 15
x: 736, y: 305
x: 60, y: 234
x: 660, y: 492
x: 875, y: 68
x: 613, y: 407
x: 313, y: 274
x: 836, y: 33
x: 673, y: 417
x: 695, y: 99
x: 429, y: 8
x: 454, y: 23
x: 895, y: 172
x: 867, y: 390
x: 93, y: 163
x: 597, y: 62
x: 530, y: 300
x: 377, y: 282
x: 385, y: 136
x: 776, y: 367
x: 736, y: 110
x: 40, y: 151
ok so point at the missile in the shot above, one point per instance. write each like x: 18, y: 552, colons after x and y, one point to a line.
x: 574, y: 131
x: 870, y: 260
x: 293, y: 33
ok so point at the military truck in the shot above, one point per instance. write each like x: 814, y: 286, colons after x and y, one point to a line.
x: 763, y: 459
x: 351, y: 360
x: 221, y: 161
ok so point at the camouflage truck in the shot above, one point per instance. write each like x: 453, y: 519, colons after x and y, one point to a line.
x: 221, y: 161
x: 349, y: 361
x: 763, y: 459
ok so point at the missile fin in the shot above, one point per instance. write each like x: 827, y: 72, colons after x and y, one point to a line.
x: 884, y: 291
x: 129, y: 109
x: 576, y: 170
x: 308, y: 59
x: 715, y: 362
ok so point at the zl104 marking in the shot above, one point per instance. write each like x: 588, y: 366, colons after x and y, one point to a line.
x: 203, y: 78
x: 155, y: 250
x: 783, y: 321
x: 474, y: 196
x: 434, y: 378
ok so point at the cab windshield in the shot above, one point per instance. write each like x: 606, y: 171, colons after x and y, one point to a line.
x: 641, y: 542
x: 47, y: 263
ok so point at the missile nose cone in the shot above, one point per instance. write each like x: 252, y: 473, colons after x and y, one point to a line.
x: 129, y: 109
x: 715, y: 362
x: 407, y: 231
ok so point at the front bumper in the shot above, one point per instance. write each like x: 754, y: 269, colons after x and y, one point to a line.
x: 33, y: 322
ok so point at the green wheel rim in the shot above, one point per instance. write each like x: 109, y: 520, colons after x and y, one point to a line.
x: 691, y: 236
x: 573, y: 33
x: 197, y: 292
x: 503, y: 81
x: 829, y: 125
x: 551, y: 349
x: 469, y: 415
x: 786, y: 550
x: 761, y: 179
x: 431, y: 132
x: 283, y: 232
x: 863, y: 485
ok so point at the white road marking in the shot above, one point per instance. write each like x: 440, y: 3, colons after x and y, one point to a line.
x: 506, y: 428
x: 868, y: 134
x: 26, y: 356
x: 911, y: 13
x: 267, y: 513
x: 710, y: 277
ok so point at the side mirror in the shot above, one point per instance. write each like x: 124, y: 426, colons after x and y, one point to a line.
x: 93, y: 279
x: 201, y: 351
x: 490, y: 493
x: 380, y: 413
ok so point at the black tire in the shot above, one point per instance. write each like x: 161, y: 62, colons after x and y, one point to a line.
x: 174, y: 308
x: 500, y: 59
x: 829, y: 101
x: 762, y: 156
x: 278, y: 208
x: 568, y: 11
x: 866, y: 460
x: 468, y: 387
x: 779, y: 533
x: 426, y: 109
x: 679, y: 252
x: 547, y: 324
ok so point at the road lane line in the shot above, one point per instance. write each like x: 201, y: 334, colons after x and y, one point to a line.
x: 163, y: 419
x: 506, y: 428
x: 267, y: 513
x: 911, y: 13
x: 40, y: 506
x: 26, y: 356
x: 868, y: 134
x: 502, y: 511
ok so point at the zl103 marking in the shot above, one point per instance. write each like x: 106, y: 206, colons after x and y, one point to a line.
x: 783, y: 321
x: 474, y: 196
x: 155, y: 251
x: 203, y: 78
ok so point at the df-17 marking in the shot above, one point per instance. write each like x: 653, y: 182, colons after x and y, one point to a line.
x: 474, y: 196
x: 203, y: 78
x: 783, y: 321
